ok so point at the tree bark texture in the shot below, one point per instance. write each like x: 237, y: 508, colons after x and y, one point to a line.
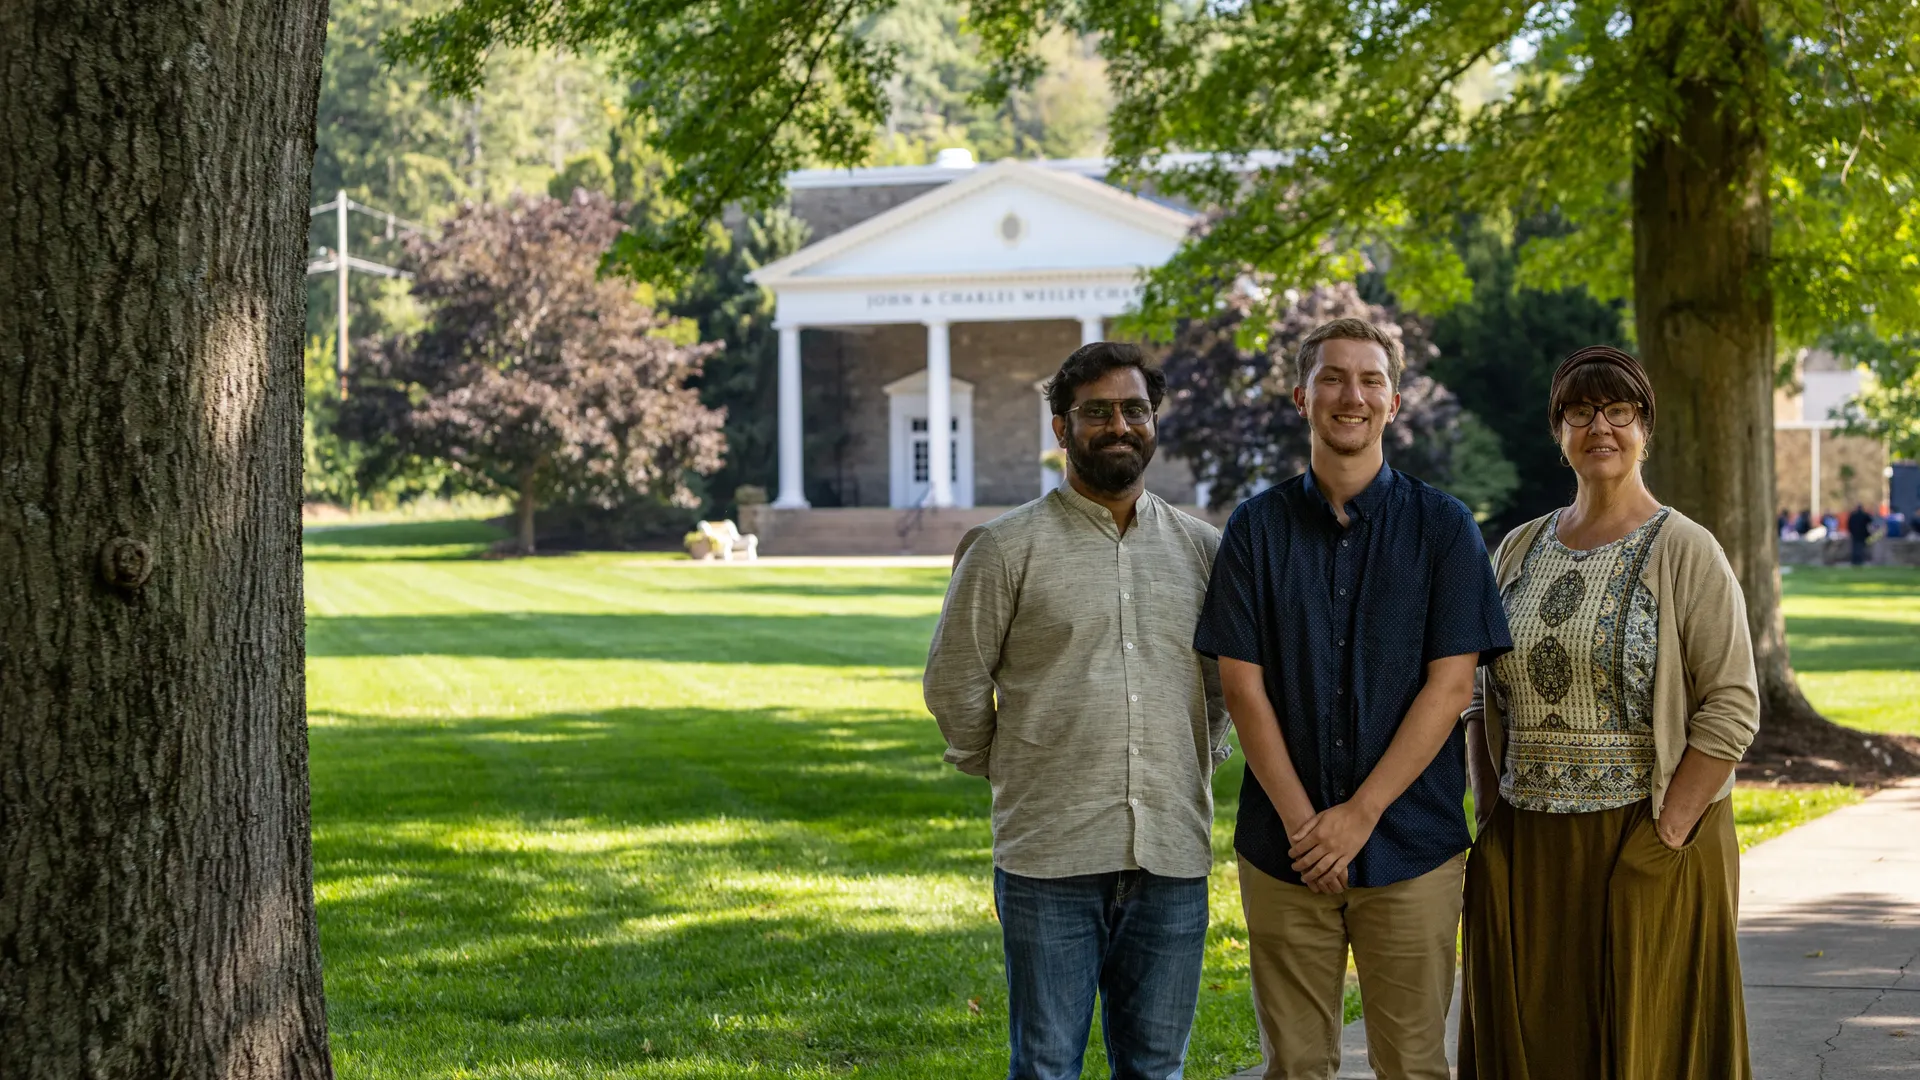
x: 156, y: 898
x: 1703, y: 309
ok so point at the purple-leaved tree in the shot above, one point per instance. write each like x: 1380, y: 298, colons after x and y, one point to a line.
x: 535, y: 377
x: 1232, y: 417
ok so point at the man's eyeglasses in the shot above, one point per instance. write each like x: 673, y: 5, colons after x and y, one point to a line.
x: 1618, y: 413
x: 1135, y: 411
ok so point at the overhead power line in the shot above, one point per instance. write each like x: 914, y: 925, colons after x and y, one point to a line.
x: 341, y: 262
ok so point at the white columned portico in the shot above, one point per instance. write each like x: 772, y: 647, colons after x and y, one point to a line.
x: 1092, y: 328
x: 939, y: 415
x: 793, y: 493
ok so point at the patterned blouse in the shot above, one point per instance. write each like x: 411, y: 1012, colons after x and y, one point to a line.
x: 1577, y: 689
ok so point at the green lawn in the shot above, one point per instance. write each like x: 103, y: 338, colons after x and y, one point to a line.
x: 617, y: 816
x: 1855, y: 636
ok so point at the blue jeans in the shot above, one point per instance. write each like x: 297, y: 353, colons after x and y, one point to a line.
x: 1136, y: 938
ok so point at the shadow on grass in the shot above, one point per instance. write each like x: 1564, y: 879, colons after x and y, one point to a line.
x: 1853, y: 643
x: 885, y: 640
x: 774, y: 886
x: 666, y: 891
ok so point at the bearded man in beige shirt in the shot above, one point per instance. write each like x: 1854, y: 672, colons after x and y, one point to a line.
x: 1063, y: 671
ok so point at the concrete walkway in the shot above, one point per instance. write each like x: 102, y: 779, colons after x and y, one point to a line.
x: 1829, y: 947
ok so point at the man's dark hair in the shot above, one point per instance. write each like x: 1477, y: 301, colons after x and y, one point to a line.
x: 1090, y: 362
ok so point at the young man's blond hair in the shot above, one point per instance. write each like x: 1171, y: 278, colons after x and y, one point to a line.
x: 1349, y: 329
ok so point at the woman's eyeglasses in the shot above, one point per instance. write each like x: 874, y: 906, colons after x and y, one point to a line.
x: 1618, y: 413
x: 1135, y: 411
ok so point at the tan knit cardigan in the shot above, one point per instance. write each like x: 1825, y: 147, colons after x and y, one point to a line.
x: 1705, y: 692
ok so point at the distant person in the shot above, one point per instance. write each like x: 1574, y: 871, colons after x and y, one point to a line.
x: 1830, y: 523
x: 1859, y: 527
x: 1063, y: 671
x: 1783, y: 524
x: 1804, y: 523
x: 1348, y: 608
x: 1600, y: 896
x: 1896, y: 525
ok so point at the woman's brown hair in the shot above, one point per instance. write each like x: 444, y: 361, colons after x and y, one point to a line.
x: 1599, y: 374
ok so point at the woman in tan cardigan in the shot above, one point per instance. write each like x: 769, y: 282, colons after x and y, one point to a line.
x: 1601, y: 893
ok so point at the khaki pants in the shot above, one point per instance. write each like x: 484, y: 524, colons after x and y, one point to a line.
x: 1402, y: 937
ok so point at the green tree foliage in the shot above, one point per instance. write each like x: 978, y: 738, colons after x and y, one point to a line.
x: 1498, y: 351
x: 1397, y: 119
x: 736, y: 93
x: 934, y: 98
x: 534, y: 377
x: 390, y: 141
x: 1233, y: 420
x: 741, y: 378
x: 387, y: 139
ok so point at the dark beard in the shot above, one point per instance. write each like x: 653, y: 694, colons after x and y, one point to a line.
x: 1106, y: 473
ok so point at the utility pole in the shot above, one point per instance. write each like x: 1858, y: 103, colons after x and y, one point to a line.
x: 340, y: 324
x: 340, y: 263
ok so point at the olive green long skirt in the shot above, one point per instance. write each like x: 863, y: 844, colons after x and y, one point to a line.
x: 1595, y: 952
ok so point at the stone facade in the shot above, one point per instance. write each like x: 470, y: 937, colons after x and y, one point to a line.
x: 1852, y: 470
x: 844, y: 373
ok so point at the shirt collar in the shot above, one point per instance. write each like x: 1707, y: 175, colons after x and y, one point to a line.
x: 1143, y: 508
x: 1363, y: 504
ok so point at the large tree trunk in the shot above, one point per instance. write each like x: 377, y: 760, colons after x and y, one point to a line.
x: 156, y: 899
x: 1704, y: 312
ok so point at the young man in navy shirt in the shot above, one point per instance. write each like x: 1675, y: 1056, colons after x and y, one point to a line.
x: 1349, y: 607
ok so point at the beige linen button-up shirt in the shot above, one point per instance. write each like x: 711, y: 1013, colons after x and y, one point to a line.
x: 1063, y: 671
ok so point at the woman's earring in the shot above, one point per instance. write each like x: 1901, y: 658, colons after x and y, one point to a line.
x: 1564, y: 461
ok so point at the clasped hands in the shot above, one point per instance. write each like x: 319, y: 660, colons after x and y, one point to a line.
x: 1327, y: 842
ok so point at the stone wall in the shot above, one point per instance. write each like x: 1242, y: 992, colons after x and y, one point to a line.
x: 1852, y: 470
x: 845, y: 410
x: 1839, y: 551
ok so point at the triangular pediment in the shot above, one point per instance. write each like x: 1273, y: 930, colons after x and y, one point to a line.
x: 1006, y: 218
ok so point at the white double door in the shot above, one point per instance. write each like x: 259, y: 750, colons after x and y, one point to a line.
x: 910, y: 453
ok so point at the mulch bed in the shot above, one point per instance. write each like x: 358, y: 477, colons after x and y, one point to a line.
x: 1819, y: 752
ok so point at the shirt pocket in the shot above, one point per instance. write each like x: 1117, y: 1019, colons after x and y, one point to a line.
x: 1168, y: 609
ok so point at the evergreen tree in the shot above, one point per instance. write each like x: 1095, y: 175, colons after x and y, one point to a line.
x: 1498, y: 352
x: 742, y: 377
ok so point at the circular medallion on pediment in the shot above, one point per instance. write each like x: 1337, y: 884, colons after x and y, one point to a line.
x: 1012, y: 228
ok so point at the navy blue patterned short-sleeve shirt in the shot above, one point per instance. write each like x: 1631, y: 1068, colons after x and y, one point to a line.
x: 1344, y: 622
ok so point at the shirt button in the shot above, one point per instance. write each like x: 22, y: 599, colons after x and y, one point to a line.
x: 1343, y: 592
x: 1129, y: 646
x: 1339, y: 743
x: 1135, y: 803
x: 1339, y: 691
x: 1134, y: 750
x: 1133, y: 697
x: 1126, y: 596
x: 1342, y: 643
x: 1343, y: 543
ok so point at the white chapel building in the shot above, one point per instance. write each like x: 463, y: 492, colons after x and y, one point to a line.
x: 940, y: 298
